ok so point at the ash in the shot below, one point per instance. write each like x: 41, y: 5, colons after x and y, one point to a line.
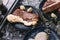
x: 34, y: 3
x: 11, y: 33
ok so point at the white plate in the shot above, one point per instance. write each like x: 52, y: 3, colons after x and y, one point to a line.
x: 5, y: 2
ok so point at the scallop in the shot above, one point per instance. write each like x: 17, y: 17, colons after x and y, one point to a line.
x: 29, y: 9
x: 22, y: 7
x: 41, y: 36
x: 11, y: 18
x: 53, y: 15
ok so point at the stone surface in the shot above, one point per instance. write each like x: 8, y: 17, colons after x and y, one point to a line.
x: 11, y: 33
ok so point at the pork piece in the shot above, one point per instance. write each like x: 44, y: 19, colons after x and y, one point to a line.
x: 41, y: 36
x: 23, y: 17
x: 51, y: 5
